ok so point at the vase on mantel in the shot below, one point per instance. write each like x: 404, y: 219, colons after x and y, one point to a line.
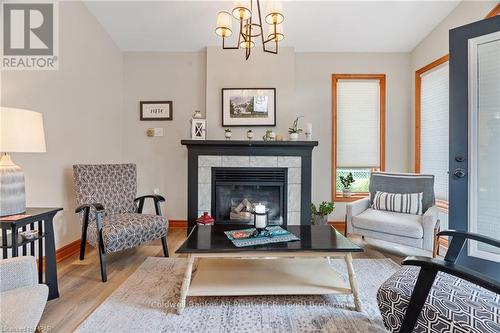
x: 205, y: 219
x: 294, y: 136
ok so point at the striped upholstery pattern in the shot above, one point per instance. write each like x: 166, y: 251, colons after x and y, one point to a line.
x: 404, y: 183
x: 407, y: 203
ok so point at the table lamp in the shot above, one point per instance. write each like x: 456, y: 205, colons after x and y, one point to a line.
x: 21, y: 131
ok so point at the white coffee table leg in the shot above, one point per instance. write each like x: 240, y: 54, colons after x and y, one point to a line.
x: 185, y: 284
x: 352, y: 282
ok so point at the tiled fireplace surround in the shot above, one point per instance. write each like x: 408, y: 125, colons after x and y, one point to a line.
x: 292, y: 163
x: 296, y: 156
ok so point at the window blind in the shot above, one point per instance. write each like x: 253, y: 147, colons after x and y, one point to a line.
x: 434, y: 141
x: 358, y: 123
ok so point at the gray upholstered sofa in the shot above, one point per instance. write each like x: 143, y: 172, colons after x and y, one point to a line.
x: 22, y: 298
x: 407, y: 229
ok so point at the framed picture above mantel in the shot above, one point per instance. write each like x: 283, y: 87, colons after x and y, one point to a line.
x: 156, y: 110
x: 249, y: 107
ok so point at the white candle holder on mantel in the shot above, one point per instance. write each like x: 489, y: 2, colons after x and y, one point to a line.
x: 308, y: 132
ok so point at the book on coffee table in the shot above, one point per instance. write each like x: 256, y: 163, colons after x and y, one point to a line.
x: 246, y: 237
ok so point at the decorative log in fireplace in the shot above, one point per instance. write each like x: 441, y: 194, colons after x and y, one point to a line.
x: 290, y: 200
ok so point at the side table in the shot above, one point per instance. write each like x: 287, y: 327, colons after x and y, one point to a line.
x: 43, y: 218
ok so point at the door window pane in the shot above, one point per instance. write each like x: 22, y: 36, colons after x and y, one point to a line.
x: 485, y: 143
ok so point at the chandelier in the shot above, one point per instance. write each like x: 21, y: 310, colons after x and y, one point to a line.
x: 251, y: 27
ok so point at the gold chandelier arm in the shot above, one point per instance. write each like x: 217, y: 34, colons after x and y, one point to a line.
x: 224, y: 47
x: 264, y: 42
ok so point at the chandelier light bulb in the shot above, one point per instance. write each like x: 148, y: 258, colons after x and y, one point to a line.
x: 276, y: 32
x: 224, y: 24
x: 247, y: 44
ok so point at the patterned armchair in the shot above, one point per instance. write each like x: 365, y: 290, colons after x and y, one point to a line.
x: 441, y: 296
x: 112, y: 218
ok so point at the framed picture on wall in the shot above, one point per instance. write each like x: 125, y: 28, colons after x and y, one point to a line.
x: 156, y: 110
x: 248, y: 107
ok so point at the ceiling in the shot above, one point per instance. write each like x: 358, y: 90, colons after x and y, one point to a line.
x: 310, y: 26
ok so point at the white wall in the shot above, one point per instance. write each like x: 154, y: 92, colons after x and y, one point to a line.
x: 303, y: 83
x: 313, y: 97
x: 162, y: 161
x: 435, y: 45
x: 81, y: 104
x: 229, y: 69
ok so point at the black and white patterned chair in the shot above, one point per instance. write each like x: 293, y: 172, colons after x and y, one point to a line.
x: 112, y: 215
x: 441, y: 296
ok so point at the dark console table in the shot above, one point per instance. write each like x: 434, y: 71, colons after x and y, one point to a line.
x: 43, y: 218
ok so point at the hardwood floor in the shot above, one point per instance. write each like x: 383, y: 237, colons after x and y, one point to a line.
x: 82, y: 291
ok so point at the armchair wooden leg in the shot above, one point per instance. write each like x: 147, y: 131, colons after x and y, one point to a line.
x: 417, y: 300
x: 102, y: 257
x: 165, y: 246
x: 82, y: 248
x: 435, y: 249
x: 102, y: 261
x: 84, y: 238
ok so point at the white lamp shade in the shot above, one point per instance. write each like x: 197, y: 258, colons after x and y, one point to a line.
x: 21, y: 131
x: 224, y: 24
x: 241, y: 10
x: 274, y: 12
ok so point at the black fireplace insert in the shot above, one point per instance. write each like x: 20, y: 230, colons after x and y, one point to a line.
x: 235, y: 191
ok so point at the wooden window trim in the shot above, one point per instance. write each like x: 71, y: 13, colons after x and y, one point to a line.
x: 494, y: 12
x: 337, y: 196
x: 441, y: 204
x: 418, y: 106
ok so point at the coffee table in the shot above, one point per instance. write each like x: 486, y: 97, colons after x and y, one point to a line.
x: 218, y: 268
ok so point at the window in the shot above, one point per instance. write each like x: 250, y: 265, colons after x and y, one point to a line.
x: 431, y: 120
x: 358, y: 130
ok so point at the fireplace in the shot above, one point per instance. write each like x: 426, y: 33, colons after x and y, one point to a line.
x: 287, y: 190
x: 235, y: 191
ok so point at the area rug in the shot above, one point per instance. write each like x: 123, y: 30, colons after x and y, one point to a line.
x: 147, y: 300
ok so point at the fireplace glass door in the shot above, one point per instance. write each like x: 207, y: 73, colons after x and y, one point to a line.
x: 235, y: 192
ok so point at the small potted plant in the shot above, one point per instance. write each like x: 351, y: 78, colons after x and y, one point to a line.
x: 319, y: 215
x: 294, y: 131
x: 228, y: 133
x: 347, y: 182
x: 269, y: 135
x: 250, y: 134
